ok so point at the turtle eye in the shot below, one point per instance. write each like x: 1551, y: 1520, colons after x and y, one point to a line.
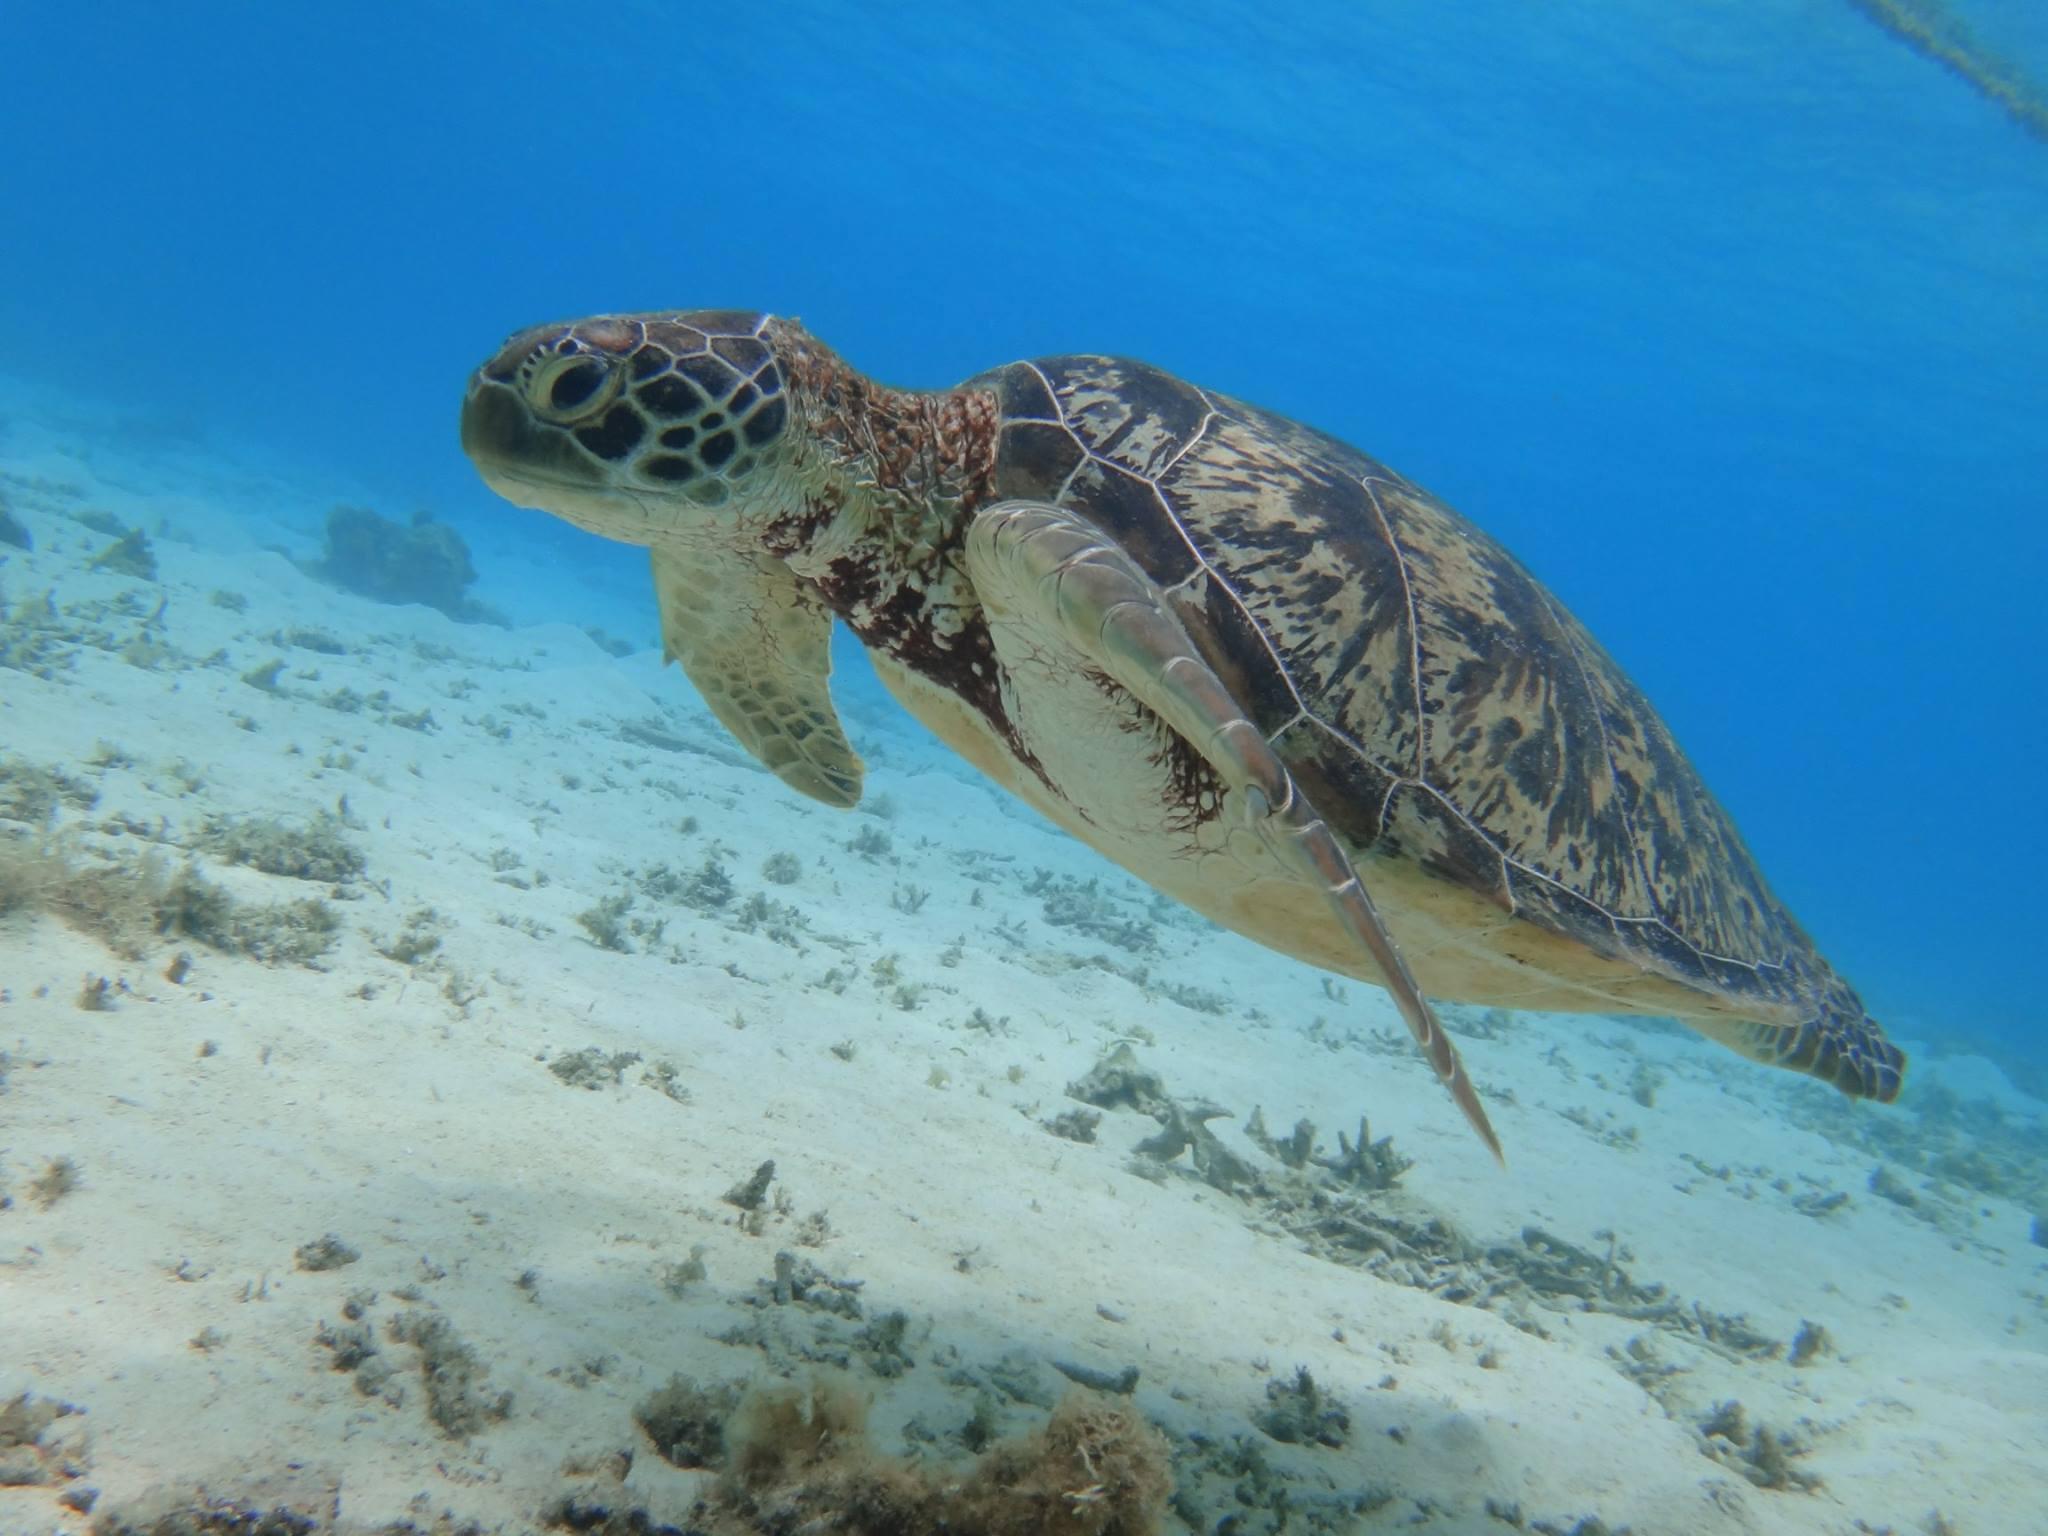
x: 572, y: 388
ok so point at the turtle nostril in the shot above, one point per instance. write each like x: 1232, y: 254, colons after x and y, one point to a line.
x: 574, y: 385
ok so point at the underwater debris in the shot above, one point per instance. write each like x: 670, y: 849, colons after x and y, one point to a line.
x: 376, y: 558
x: 593, y: 1068
x: 803, y: 1283
x: 1119, y: 1082
x: 752, y: 1190
x: 1298, y: 1412
x: 1075, y: 1125
x: 882, y: 1341
x: 329, y: 1252
x: 1294, y: 1152
x: 1018, y: 1378
x: 1809, y: 1344
x: 801, y: 1314
x: 1819, y: 1203
x: 1184, y: 1128
x: 1116, y: 1383
x: 1232, y: 1485
x: 1364, y: 1164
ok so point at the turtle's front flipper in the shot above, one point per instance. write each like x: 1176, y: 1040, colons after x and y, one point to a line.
x: 759, y: 648
x: 1045, y: 565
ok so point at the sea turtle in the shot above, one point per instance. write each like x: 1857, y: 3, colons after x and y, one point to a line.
x: 1253, y: 666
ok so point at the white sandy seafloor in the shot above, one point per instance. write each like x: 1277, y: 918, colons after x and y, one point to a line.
x: 399, y: 1094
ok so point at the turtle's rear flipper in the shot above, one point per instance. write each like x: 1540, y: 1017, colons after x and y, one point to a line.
x: 1840, y: 1044
x: 759, y: 648
x: 1046, y: 565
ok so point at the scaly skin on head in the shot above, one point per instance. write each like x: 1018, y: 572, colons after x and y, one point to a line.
x: 743, y: 429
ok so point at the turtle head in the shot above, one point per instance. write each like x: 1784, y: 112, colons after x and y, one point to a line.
x: 632, y: 426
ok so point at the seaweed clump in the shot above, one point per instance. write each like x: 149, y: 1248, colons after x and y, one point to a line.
x: 801, y: 1461
x: 317, y: 851
x: 30, y: 1454
x: 686, y: 1422
x: 593, y: 1068
x: 129, y: 555
x: 31, y: 792
x: 128, y: 902
x: 457, y: 1401
x: 1759, y: 1453
x: 389, y: 562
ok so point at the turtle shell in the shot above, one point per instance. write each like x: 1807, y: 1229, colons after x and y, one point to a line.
x: 1435, y: 702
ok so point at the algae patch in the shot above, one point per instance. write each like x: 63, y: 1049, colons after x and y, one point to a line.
x: 317, y: 850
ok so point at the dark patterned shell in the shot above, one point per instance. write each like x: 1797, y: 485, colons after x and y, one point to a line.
x: 1432, y: 698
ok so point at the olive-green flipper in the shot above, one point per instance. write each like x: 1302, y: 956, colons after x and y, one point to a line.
x: 1059, y: 570
x: 759, y: 648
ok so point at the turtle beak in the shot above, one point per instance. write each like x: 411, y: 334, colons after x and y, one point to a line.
x: 494, y: 424
x: 516, y: 454
x: 536, y: 465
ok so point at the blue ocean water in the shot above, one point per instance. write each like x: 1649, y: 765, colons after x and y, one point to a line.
x: 1730, y: 321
